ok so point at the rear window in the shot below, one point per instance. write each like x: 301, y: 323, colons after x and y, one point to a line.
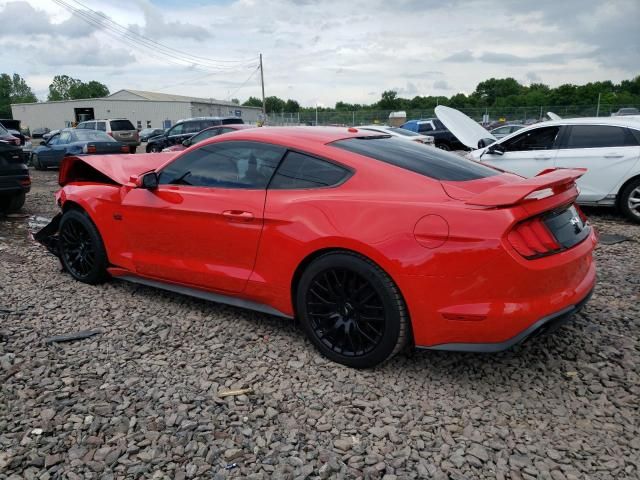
x: 118, y: 125
x: 427, y: 161
x: 403, y: 132
x: 92, y: 136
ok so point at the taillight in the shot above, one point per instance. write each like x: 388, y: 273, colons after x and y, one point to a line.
x: 532, y: 239
x: 581, y: 214
x: 110, y: 134
x: 91, y: 149
x: 124, y: 149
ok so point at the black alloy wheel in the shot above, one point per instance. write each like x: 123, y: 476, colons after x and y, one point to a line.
x: 81, y: 249
x: 351, y: 310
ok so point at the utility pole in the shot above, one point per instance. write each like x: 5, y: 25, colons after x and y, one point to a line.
x: 264, y: 104
x: 598, y: 107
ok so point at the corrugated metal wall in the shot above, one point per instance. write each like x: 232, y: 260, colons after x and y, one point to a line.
x: 152, y: 113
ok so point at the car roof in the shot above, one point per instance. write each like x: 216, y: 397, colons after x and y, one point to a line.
x: 315, y: 135
x: 615, y: 121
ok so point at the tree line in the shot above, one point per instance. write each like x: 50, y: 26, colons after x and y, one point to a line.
x: 491, y: 93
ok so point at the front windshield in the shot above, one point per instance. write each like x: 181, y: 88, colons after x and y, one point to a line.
x: 404, y: 131
x: 3, y: 130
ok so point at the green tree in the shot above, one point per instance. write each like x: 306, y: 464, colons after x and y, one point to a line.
x: 389, y: 100
x: 291, y: 106
x: 274, y: 104
x: 253, y: 102
x: 489, y: 90
x: 13, y: 89
x: 61, y: 87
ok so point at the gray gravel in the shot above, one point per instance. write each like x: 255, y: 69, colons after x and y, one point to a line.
x: 141, y: 399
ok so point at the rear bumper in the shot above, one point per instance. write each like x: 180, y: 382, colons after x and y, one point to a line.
x: 12, y: 184
x: 545, y: 325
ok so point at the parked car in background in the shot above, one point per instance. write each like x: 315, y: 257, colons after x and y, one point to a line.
x: 345, y: 230
x: 433, y: 127
x: 8, y: 137
x: 39, y: 132
x: 204, y: 134
x: 609, y: 148
x: 120, y: 129
x: 625, y: 112
x: 147, y: 133
x: 399, y: 132
x: 504, y: 130
x: 185, y: 129
x: 15, y: 181
x: 70, y: 141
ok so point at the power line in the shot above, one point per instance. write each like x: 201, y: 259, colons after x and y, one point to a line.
x: 138, y: 41
x: 149, y: 41
x: 245, y: 82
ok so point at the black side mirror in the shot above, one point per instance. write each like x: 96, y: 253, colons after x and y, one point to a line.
x: 496, y: 149
x: 483, y: 142
x: 148, y: 181
x: 187, y: 143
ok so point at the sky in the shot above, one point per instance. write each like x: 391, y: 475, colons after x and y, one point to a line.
x: 320, y: 52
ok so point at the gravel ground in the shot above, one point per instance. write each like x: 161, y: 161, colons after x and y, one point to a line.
x: 141, y: 399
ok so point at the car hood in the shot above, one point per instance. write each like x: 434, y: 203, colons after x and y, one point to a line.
x: 467, y: 130
x: 118, y: 168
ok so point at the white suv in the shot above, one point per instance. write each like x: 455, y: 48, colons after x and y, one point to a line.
x: 120, y: 129
x: 609, y: 148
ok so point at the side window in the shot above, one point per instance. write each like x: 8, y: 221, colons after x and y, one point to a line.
x: 227, y: 130
x: 502, y: 130
x: 177, y: 129
x: 303, y: 171
x: 225, y: 165
x: 65, y: 137
x: 425, y: 127
x: 599, y: 136
x: 81, y: 126
x: 205, y: 134
x: 537, y: 139
x: 192, y: 127
x: 54, y: 140
x: 90, y: 125
x: 102, y: 126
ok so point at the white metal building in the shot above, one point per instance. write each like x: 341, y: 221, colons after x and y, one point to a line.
x: 143, y: 109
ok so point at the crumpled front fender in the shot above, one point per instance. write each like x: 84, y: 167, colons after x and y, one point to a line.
x: 48, y: 235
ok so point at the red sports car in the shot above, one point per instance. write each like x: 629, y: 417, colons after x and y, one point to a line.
x: 372, y: 242
x: 205, y: 134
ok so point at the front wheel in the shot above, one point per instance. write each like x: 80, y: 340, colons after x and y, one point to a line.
x: 132, y: 149
x: 35, y: 161
x: 630, y: 201
x: 155, y: 148
x: 351, y: 310
x: 81, y: 248
x: 443, y: 146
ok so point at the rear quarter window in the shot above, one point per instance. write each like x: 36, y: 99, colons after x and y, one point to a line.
x: 428, y: 161
x: 599, y: 136
x: 298, y: 171
x: 118, y: 125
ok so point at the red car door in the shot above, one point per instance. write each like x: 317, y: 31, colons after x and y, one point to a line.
x: 202, y: 225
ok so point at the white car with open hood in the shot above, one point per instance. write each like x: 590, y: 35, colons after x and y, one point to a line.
x: 608, y: 147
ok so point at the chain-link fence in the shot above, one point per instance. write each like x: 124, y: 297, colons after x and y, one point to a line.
x: 524, y: 115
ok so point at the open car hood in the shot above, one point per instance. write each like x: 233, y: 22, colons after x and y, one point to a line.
x: 467, y: 130
x: 113, y: 168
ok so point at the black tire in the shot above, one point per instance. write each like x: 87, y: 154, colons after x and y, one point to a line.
x: 630, y: 200
x: 35, y: 160
x: 12, y: 203
x: 132, y: 149
x: 154, y: 148
x: 443, y: 146
x: 333, y: 295
x: 82, y: 251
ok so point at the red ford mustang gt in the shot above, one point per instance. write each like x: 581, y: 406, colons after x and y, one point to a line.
x: 372, y: 242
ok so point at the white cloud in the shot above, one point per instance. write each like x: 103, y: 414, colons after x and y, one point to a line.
x: 330, y: 50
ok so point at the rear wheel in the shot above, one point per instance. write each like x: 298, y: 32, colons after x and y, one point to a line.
x: 132, y: 149
x: 630, y: 200
x: 81, y: 248
x: 155, y: 148
x: 352, y: 310
x: 443, y: 146
x: 12, y: 203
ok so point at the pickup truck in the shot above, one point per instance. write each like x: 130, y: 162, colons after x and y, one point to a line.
x: 442, y: 137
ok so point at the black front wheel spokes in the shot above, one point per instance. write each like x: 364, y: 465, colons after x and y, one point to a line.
x: 77, y: 248
x: 346, y: 311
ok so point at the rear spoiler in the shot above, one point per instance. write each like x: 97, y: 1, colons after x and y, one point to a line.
x: 513, y: 193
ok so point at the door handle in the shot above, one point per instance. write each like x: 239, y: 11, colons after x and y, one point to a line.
x: 240, y: 215
x: 613, y: 155
x: 542, y: 157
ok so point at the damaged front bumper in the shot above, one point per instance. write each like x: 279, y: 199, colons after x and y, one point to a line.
x: 48, y: 235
